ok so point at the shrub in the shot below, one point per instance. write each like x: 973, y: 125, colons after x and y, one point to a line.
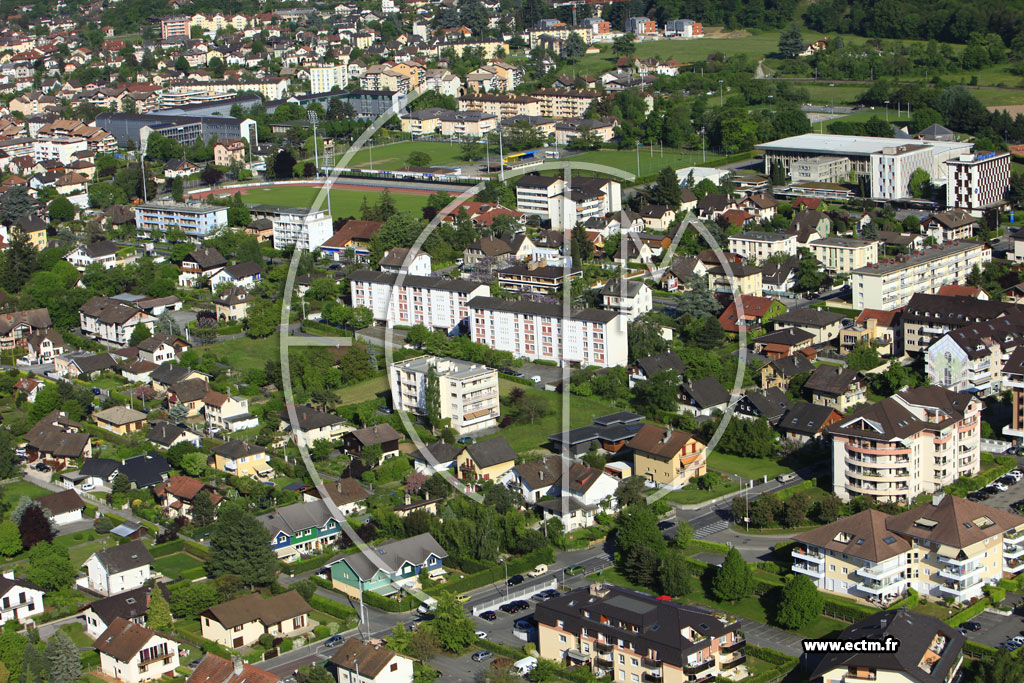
x: 266, y: 641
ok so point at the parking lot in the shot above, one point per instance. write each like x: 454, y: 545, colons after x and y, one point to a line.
x: 997, y: 629
x: 1004, y: 499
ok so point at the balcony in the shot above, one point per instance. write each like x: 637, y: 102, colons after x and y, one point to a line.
x: 882, y: 587
x: 652, y: 677
x: 1013, y: 537
x: 1013, y: 566
x: 698, y: 668
x: 602, y: 646
x: 959, y: 574
x: 733, y: 663
x: 815, y: 571
x: 1012, y: 552
x: 962, y: 589
x: 880, y: 571
x: 652, y: 663
x: 726, y: 649
x: 604, y: 658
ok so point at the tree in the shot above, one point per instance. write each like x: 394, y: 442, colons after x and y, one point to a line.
x: 644, y: 338
x: 15, y: 204
x: 684, y: 534
x: 178, y: 189
x: 35, y: 527
x: 241, y: 545
x: 262, y: 317
x: 630, y: 491
x: 809, y: 276
x: 211, y: 175
x: 828, y: 509
x: 313, y: 674
x: 666, y: 190
x: 140, y: 333
x: 791, y: 42
x: 181, y: 64
x: 471, y: 150
x: 863, y: 357
x: 64, y: 658
x: 283, y: 165
x: 418, y: 158
x: 158, y: 617
x: 61, y: 209
x: 674, y: 577
x: 49, y: 566
x: 574, y: 48
x: 10, y: 539
x: 697, y: 299
x: 801, y: 603
x: 635, y: 526
x: 121, y: 485
x: 454, y: 630
x: 795, y: 509
x: 921, y: 184
x: 624, y: 46
x: 193, y: 464
x: 658, y: 393
x: 532, y: 406
x: 432, y: 398
x: 640, y: 565
x: 1001, y: 668
x: 733, y: 580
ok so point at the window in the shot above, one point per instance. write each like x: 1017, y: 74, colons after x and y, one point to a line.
x: 561, y: 638
x: 394, y: 666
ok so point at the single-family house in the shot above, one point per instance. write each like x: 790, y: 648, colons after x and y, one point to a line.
x: 132, y: 653
x: 666, y: 456
x: 703, y: 396
x: 644, y: 368
x: 120, y: 419
x: 245, y: 275
x: 131, y: 606
x: 178, y: 494
x: 64, y: 507
x: 165, y: 434
x: 19, y: 599
x: 806, y: 421
x: 313, y: 425
x: 301, y: 529
x: 117, y: 569
x: 770, y: 404
x: 364, y: 662
x: 227, y: 413
x: 240, y: 622
x: 394, y: 566
x: 242, y: 459
x: 485, y: 460
x: 839, y: 388
x: 383, y: 435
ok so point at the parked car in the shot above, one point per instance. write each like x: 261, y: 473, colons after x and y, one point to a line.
x: 42, y: 467
x: 465, y: 441
x: 999, y: 486
x: 489, y: 615
x: 787, y: 477
x: 95, y: 391
x: 482, y: 635
x: 523, y: 625
x: 510, y: 608
x: 462, y: 599
x: 536, y: 379
x: 971, y: 625
x: 88, y: 486
x: 335, y: 641
x: 515, y: 580
x: 482, y: 656
x: 550, y: 593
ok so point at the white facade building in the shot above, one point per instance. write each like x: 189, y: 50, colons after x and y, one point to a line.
x: 758, y: 246
x: 892, y: 168
x: 977, y: 181
x: 468, y: 391
x: 539, y: 331
x: 198, y: 220
x: 302, y: 228
x: 889, y: 285
x: 326, y: 78
x: 395, y: 299
x: 551, y: 199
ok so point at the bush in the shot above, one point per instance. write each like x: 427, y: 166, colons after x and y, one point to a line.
x: 169, y: 548
x: 104, y: 525
x: 285, y: 646
x: 266, y: 641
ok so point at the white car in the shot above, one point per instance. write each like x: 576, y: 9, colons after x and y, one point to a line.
x: 1016, y: 474
x: 88, y: 486
x: 482, y: 635
x: 1000, y: 487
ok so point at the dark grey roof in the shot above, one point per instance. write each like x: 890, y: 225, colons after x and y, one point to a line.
x: 164, y: 433
x: 310, y: 418
x: 420, y: 281
x: 831, y: 380
x: 668, y: 360
x: 121, y: 558
x: 440, y: 451
x: 790, y: 366
x: 240, y: 271
x: 787, y: 336
x: 811, y: 317
x: 393, y: 554
x: 707, y: 392
x: 232, y: 450
x: 491, y: 452
x: 376, y: 434
x: 916, y: 634
x: 537, y: 308
x: 100, y: 468
x: 619, y: 287
x: 95, y: 363
x: 100, y: 249
x: 129, y: 605
x: 168, y: 373
x: 770, y: 404
x: 805, y: 418
x: 145, y: 470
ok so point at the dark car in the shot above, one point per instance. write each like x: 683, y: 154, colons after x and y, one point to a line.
x: 515, y: 580
x: 521, y: 604
x: 667, y: 524
x: 509, y: 608
x: 971, y: 626
x: 95, y: 391
x: 465, y: 441
x: 42, y: 467
x: 550, y: 593
x: 489, y: 615
x: 335, y: 641
x: 523, y: 624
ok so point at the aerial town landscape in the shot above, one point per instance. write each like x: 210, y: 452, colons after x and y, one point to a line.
x: 400, y: 341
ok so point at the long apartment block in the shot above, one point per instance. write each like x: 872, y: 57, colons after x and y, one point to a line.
x: 397, y: 299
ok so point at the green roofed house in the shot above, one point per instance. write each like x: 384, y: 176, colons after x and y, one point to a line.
x: 392, y: 566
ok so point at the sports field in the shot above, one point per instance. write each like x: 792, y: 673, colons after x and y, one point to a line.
x: 343, y: 202
x: 393, y: 156
x: 651, y: 159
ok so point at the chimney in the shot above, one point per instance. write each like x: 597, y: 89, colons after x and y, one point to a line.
x: 668, y: 435
x: 9, y: 575
x: 236, y: 665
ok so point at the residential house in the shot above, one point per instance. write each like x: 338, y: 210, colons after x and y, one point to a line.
x: 785, y: 342
x: 610, y: 433
x: 395, y: 566
x: 103, y: 252
x: 315, y: 425
x: 120, y: 420
x: 408, y: 261
x: 485, y: 460
x: 83, y: 366
x: 880, y: 329
x: 188, y: 394
x: 930, y: 650
x: 165, y: 434
x: 822, y: 324
x: 240, y: 622
x: 363, y: 662
x: 677, y: 276
x: 644, y: 368
x: 17, y: 327
x: 666, y: 456
x: 770, y: 404
x: 757, y: 311
x: 950, y: 226
x: 117, y: 569
x: 29, y: 388
x: 161, y: 348
x: 111, y: 320
x: 245, y: 275
x: 242, y: 459
x: 64, y: 507
x: 629, y: 298
x: 227, y: 413
x: 178, y: 494
x: 144, y: 471
x: 56, y: 440
x: 202, y: 264
x: 436, y: 457
x: 214, y: 669
x: 19, y: 599
x: 383, y: 435
x: 131, y: 653
x: 167, y: 375
x: 131, y: 606
x: 347, y: 494
x: 703, y: 396
x: 301, y: 529
x: 835, y: 387
x: 232, y: 304
x: 807, y: 421
x: 43, y: 347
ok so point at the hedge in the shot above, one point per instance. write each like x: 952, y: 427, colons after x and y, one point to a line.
x: 193, y: 573
x: 515, y: 378
x: 545, y: 555
x: 310, y: 564
x: 978, y: 651
x: 910, y: 600
x: 168, y: 548
x: 503, y: 650
x: 769, y: 655
x: 701, y: 546
x: 207, y: 645
x: 845, y: 611
x: 406, y: 604
x: 199, y: 551
x: 324, y: 328
x: 969, y: 613
x: 335, y: 609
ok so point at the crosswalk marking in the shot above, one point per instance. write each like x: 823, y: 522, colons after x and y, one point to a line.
x: 710, y: 529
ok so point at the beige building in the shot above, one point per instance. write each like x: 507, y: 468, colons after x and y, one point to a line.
x: 950, y: 548
x: 667, y: 457
x: 842, y: 254
x: 131, y: 653
x: 891, y: 284
x: 485, y: 460
x: 560, y: 103
x: 240, y: 622
x: 626, y: 635
x: 242, y: 459
x: 915, y: 442
x: 499, y: 105
x: 120, y: 420
x: 227, y: 151
x: 362, y: 662
x: 758, y: 246
x: 468, y: 392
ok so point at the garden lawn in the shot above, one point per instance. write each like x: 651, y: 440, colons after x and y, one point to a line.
x: 691, y: 494
x: 685, y: 51
x: 68, y: 540
x: 13, y: 491
x: 526, y: 436
x: 343, y: 202
x: 76, y: 631
x: 750, y: 468
x: 80, y: 553
x: 363, y: 391
x: 172, y: 566
x: 244, y: 354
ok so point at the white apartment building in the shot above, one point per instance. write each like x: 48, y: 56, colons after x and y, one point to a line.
x: 630, y: 298
x: 468, y: 391
x: 198, y: 220
x: 914, y: 442
x: 326, y: 78
x: 892, y: 167
x: 293, y: 226
x: 843, y: 254
x: 539, y: 331
x: 972, y: 358
x: 758, y: 246
x: 550, y: 198
x: 57, y: 149
x: 977, y: 181
x: 890, y: 284
x: 396, y: 299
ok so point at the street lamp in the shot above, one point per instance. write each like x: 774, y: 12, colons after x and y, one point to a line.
x: 721, y: 94
x: 505, y: 565
x: 638, y: 159
x: 887, y: 111
x: 316, y: 154
x: 832, y: 109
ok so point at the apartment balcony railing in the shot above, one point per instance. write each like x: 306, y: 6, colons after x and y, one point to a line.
x: 602, y: 646
x: 960, y: 574
x: 880, y: 571
x: 733, y: 663
x: 807, y: 554
x: 732, y: 647
x: 813, y: 570
x: 698, y: 668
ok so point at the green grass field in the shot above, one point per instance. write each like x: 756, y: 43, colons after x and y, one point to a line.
x: 173, y: 565
x: 343, y: 202
x: 751, y: 468
x: 691, y: 494
x: 394, y: 156
x: 652, y: 160
x: 364, y: 391
x: 12, y: 492
x: 244, y: 354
